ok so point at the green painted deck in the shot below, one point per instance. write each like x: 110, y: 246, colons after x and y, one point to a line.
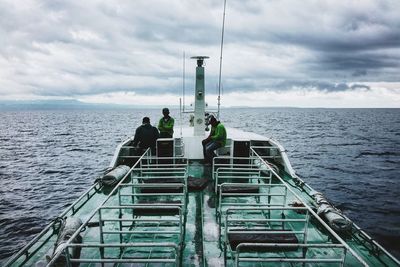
x: 244, y: 217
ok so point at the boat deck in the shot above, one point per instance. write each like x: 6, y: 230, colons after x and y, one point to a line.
x: 172, y: 211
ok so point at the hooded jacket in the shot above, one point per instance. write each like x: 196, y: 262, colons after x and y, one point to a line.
x: 218, y: 134
x: 146, y: 136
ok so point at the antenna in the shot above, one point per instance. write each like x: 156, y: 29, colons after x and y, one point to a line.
x: 180, y: 113
x: 220, y: 61
x: 183, y: 83
x: 200, y: 60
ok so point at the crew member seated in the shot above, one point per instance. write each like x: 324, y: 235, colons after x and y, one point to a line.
x: 146, y: 136
x: 215, y: 140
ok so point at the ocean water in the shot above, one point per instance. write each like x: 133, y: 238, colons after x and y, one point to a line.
x: 48, y: 158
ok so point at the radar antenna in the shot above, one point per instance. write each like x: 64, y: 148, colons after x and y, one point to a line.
x: 200, y: 60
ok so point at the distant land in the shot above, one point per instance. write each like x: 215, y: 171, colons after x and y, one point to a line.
x: 71, y: 104
x: 76, y: 104
x: 65, y: 104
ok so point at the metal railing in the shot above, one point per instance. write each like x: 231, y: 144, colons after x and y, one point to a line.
x: 233, y: 162
x: 240, y: 175
x: 158, y: 233
x: 150, y: 191
x: 73, y: 209
x: 135, y: 224
x: 250, y: 195
x: 274, y: 223
x: 179, y: 146
x: 164, y: 249
x: 302, y: 257
x: 267, y: 165
x: 231, y: 195
x: 268, y: 152
x: 248, y: 174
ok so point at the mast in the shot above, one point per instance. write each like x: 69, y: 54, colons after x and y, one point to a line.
x: 220, y: 61
x: 199, y: 104
x: 183, y: 82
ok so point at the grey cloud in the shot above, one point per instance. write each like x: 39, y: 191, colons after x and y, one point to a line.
x: 344, y: 40
x: 68, y: 48
x: 70, y: 86
x: 359, y: 73
x: 356, y: 63
x: 290, y: 85
x: 360, y: 86
x: 356, y: 66
x: 325, y: 25
x: 337, y: 37
x: 319, y: 85
x: 348, y: 36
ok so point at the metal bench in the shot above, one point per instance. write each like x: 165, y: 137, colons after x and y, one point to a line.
x: 251, y: 233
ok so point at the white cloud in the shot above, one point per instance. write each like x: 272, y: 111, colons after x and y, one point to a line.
x: 83, y: 48
x: 85, y: 35
x: 131, y: 99
x: 376, y: 97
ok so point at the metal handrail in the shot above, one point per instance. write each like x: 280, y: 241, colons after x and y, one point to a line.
x: 77, y: 232
x: 162, y: 158
x: 181, y: 195
x: 311, y: 210
x: 137, y: 182
x: 162, y: 169
x: 176, y: 230
x: 293, y: 260
x: 164, y: 165
x: 397, y: 261
x: 269, y: 186
x: 233, y: 171
x: 25, y: 249
x: 222, y: 207
x: 232, y: 165
x: 148, y: 169
x: 171, y: 245
x: 231, y: 211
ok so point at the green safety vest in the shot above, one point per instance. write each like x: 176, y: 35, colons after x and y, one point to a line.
x: 166, y: 126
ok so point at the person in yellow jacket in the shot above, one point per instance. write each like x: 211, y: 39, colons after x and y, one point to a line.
x: 215, y: 140
x: 166, y: 125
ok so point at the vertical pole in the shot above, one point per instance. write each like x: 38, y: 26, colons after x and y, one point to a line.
x: 67, y: 256
x: 220, y: 61
x: 101, y: 236
x: 199, y: 104
x: 183, y: 82
x: 180, y: 112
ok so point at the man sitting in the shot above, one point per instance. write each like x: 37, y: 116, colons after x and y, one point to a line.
x: 146, y: 136
x: 215, y: 140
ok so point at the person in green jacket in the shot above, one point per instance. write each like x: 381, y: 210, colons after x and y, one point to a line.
x: 215, y: 140
x: 166, y: 125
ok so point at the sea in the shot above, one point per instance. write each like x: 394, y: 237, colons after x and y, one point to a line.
x: 48, y: 158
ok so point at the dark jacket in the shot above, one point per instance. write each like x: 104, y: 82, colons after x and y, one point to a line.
x: 146, y: 136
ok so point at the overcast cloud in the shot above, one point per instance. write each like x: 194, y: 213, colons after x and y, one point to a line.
x: 98, y: 50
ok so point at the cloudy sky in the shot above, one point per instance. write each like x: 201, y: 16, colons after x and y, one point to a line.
x: 309, y: 53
